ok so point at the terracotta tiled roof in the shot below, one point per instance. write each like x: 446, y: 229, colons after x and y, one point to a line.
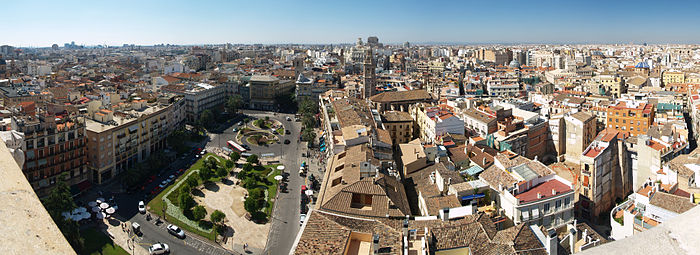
x: 671, y: 202
x: 398, y: 96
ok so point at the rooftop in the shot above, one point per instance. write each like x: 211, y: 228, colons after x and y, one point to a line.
x: 545, y: 190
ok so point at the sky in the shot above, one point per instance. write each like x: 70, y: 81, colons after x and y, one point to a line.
x: 30, y: 23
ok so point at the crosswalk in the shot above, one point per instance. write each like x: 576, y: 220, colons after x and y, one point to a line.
x: 193, y: 241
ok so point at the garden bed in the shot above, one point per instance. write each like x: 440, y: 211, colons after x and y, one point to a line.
x: 174, y: 213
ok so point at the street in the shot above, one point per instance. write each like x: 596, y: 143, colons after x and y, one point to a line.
x: 285, y: 217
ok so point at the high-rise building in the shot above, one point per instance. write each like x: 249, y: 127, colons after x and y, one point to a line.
x: 372, y: 41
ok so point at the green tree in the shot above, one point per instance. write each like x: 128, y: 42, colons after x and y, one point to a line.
x: 221, y: 172
x: 235, y: 156
x: 217, y: 216
x: 199, y: 213
x: 206, y: 117
x: 186, y: 201
x: 308, y: 106
x: 58, y: 201
x: 253, y: 159
x: 192, y: 181
x: 185, y: 188
x: 233, y: 103
x: 250, y: 182
x: 255, y: 201
x: 229, y: 164
x: 308, y: 120
x: 205, y: 174
x: 248, y: 167
x: 308, y: 135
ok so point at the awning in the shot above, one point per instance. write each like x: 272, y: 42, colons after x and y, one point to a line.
x: 475, y: 196
x: 323, y: 149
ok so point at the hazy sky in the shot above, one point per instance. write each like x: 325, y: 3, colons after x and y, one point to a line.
x: 146, y: 22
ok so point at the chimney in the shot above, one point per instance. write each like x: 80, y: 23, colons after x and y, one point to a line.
x: 572, y: 239
x: 375, y: 244
x: 554, y: 192
x: 445, y: 214
x: 552, y: 242
x: 539, y: 195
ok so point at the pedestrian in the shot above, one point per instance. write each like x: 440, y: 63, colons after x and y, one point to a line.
x: 245, y: 247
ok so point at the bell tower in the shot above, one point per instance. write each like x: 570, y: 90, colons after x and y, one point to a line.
x: 370, y: 80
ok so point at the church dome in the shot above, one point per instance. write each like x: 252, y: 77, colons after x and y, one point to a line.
x: 514, y: 64
x: 642, y: 65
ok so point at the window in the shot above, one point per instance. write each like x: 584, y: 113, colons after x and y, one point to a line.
x: 361, y: 200
x: 624, y: 121
x: 567, y: 201
x: 546, y: 207
x: 558, y: 204
x: 337, y: 181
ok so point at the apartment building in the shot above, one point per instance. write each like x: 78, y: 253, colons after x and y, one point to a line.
x: 498, y: 57
x: 529, y: 192
x: 119, y: 140
x: 399, y: 100
x: 434, y: 121
x: 669, y: 77
x: 602, y: 178
x: 613, y: 84
x: 400, y: 126
x: 313, y: 87
x: 198, y: 97
x: 55, y: 144
x: 580, y: 129
x: 480, y: 122
x: 648, y: 155
x: 630, y: 116
x: 264, y: 90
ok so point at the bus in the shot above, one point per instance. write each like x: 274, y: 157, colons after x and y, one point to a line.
x: 236, y: 147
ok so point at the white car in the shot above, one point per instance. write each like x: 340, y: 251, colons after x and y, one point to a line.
x: 171, y: 177
x: 158, y: 248
x: 289, y: 119
x: 176, y: 231
x: 142, y: 207
x: 302, y: 218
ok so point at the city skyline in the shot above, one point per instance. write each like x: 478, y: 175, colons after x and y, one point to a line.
x: 450, y: 22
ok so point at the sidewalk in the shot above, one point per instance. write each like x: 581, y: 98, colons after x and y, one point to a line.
x: 121, y: 238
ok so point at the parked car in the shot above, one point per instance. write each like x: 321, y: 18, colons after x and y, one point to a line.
x: 235, y: 129
x: 136, y: 227
x: 176, y: 231
x: 158, y: 248
x: 289, y: 119
x: 240, y: 123
x: 142, y: 207
x: 302, y: 218
x: 286, y: 141
x: 286, y: 131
